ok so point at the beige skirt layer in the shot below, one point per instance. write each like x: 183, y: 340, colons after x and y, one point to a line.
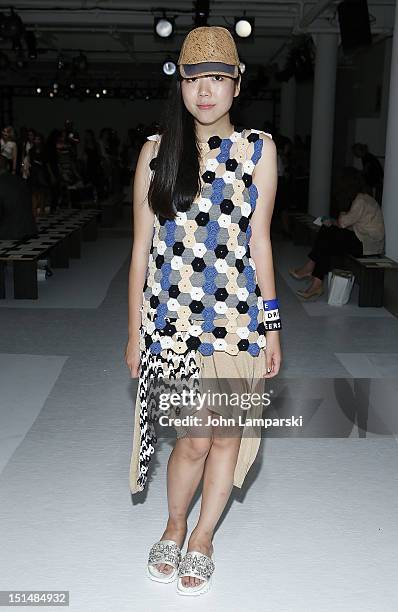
x: 248, y: 369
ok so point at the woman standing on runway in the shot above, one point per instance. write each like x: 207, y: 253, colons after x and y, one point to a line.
x: 201, y: 300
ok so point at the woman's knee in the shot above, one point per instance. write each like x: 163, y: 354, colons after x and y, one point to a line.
x: 223, y: 439
x: 196, y: 448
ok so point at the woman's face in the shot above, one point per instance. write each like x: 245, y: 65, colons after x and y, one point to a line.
x: 209, y: 98
x: 6, y: 133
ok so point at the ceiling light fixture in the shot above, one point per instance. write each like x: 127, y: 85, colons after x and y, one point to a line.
x: 244, y: 26
x: 169, y: 67
x: 201, y: 12
x: 163, y: 26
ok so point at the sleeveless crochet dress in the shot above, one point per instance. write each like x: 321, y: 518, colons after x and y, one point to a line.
x: 201, y: 297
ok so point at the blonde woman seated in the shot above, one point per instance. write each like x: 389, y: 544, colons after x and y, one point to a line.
x: 359, y: 231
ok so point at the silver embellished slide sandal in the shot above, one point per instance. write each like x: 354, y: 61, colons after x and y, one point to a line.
x: 196, y: 565
x: 164, y: 551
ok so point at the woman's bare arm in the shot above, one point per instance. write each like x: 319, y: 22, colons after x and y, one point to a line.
x: 142, y: 239
x: 265, y: 177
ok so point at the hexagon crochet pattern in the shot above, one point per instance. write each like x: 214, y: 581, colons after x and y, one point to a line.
x: 201, y: 277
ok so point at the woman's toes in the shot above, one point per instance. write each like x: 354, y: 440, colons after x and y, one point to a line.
x: 163, y: 567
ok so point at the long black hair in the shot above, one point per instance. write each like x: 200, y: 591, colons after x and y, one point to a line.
x: 175, y: 180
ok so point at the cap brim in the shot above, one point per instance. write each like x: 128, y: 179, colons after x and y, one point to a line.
x: 188, y: 71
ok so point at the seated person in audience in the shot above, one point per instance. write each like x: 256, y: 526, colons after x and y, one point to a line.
x: 372, y: 170
x: 359, y: 231
x: 16, y: 216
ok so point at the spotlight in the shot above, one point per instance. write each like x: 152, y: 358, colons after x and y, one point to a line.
x: 244, y: 26
x: 104, y: 91
x: 98, y: 95
x: 38, y: 90
x: 169, y: 67
x: 201, y: 12
x: 51, y: 94
x: 88, y: 91
x: 30, y: 39
x: 55, y: 86
x: 164, y: 27
x: 72, y: 86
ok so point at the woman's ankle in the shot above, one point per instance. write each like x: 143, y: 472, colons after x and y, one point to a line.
x: 201, y: 534
x: 178, y: 524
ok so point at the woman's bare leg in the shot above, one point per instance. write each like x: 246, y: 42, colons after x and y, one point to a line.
x: 217, y: 486
x: 184, y: 473
x: 307, y: 268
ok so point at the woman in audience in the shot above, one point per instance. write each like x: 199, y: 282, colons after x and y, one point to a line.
x: 27, y: 143
x: 9, y: 147
x: 39, y: 178
x: 358, y: 230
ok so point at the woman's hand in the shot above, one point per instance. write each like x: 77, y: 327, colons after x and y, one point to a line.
x: 132, y: 357
x: 273, y: 355
x: 329, y: 222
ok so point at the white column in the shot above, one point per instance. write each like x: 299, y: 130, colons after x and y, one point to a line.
x: 390, y: 189
x: 287, y: 125
x: 385, y: 92
x: 322, y: 123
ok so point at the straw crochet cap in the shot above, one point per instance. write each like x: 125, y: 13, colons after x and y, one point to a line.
x: 209, y: 50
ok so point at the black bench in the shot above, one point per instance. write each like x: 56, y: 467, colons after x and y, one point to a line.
x: 59, y: 238
x: 369, y: 273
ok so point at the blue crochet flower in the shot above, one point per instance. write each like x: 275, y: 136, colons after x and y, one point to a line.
x: 161, y: 311
x: 258, y: 147
x: 225, y: 147
x: 165, y: 280
x: 249, y: 273
x: 170, y: 227
x: 160, y: 323
x: 155, y: 348
x: 212, y: 234
x: 217, y: 191
x: 206, y: 348
x: 253, y: 314
x: 253, y: 195
x: 253, y: 349
x: 209, y: 286
x: 208, y: 315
